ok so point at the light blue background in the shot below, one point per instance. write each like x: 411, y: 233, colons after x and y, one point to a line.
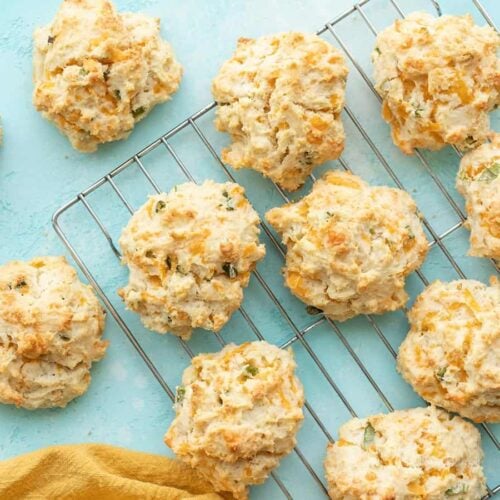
x: 39, y: 171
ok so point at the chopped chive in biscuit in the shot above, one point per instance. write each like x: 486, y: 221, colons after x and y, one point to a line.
x: 368, y: 436
x: 179, y: 283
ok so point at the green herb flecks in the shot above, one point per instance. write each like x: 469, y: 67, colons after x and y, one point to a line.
x: 368, y: 436
x: 168, y: 261
x: 411, y: 234
x: 150, y: 254
x: 307, y: 158
x: 490, y: 174
x: 118, y: 94
x: 180, y: 393
x: 160, y: 205
x: 462, y: 175
x: 229, y: 202
x: 17, y: 286
x: 313, y: 310
x: 470, y: 141
x: 418, y: 112
x: 456, y: 490
x: 441, y: 373
x: 378, y: 51
x: 251, y: 370
x: 51, y: 39
x: 83, y: 72
x: 230, y: 270
x: 138, y: 111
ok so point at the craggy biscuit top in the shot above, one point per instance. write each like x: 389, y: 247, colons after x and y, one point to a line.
x: 439, y: 78
x: 237, y: 413
x: 350, y: 245
x: 50, y: 333
x: 478, y: 180
x: 418, y: 453
x: 280, y: 98
x: 451, y: 355
x: 190, y: 254
x: 98, y: 72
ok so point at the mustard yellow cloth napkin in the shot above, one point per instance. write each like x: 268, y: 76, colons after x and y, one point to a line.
x: 98, y: 472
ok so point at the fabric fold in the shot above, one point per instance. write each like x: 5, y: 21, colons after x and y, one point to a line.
x: 98, y: 471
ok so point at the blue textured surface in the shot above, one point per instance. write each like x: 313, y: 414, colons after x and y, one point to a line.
x: 39, y: 172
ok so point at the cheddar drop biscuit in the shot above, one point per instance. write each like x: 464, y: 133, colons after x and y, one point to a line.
x: 280, y: 99
x: 350, y: 245
x: 190, y: 254
x: 50, y: 333
x: 422, y: 453
x: 451, y: 355
x: 478, y: 181
x: 98, y: 72
x: 438, y: 78
x: 237, y: 414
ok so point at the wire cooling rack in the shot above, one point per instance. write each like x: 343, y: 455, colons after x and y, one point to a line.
x: 346, y: 369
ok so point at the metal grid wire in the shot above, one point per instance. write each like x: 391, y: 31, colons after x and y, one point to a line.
x: 299, y: 334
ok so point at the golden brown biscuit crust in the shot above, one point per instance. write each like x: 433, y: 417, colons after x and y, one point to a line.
x: 478, y: 180
x: 237, y: 414
x: 451, y: 355
x: 190, y: 254
x: 421, y: 453
x: 438, y: 78
x: 350, y: 245
x: 50, y: 333
x: 98, y: 72
x: 280, y: 98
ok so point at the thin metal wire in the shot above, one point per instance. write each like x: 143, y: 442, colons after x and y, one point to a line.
x: 101, y: 225
x: 109, y: 306
x: 119, y: 193
x: 485, y: 14
x: 437, y: 7
x: 298, y: 334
